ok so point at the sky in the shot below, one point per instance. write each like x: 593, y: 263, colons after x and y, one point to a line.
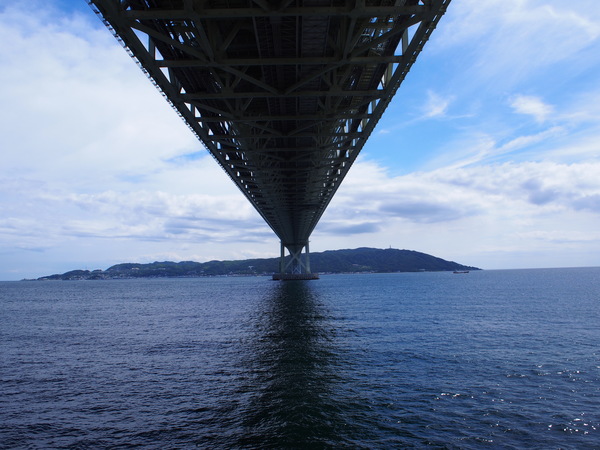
x: 488, y: 155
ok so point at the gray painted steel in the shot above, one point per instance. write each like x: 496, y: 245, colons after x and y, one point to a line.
x: 284, y: 94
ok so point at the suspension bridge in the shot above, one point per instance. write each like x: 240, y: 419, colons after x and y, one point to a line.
x: 283, y: 93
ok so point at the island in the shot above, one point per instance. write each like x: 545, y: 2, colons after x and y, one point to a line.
x: 360, y: 260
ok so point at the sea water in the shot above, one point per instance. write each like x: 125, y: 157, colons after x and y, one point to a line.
x: 487, y: 359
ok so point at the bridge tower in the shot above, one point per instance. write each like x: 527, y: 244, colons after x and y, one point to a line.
x: 297, y: 266
x: 282, y: 93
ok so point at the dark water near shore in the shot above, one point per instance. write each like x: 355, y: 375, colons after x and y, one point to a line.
x: 489, y: 359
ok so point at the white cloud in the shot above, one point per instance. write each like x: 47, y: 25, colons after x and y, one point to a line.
x: 533, y: 106
x: 78, y: 105
x: 436, y: 105
x: 486, y: 210
x: 505, y: 41
x: 523, y: 142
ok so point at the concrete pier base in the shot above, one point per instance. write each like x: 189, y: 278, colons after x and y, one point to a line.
x: 295, y: 276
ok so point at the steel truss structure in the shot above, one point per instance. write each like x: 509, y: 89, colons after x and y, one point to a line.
x: 283, y: 93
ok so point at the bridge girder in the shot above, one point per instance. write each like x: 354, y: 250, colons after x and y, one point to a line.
x: 284, y: 94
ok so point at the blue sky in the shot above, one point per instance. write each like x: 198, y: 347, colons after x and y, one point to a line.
x: 489, y: 154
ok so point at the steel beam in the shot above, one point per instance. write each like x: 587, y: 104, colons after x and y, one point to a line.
x: 285, y: 97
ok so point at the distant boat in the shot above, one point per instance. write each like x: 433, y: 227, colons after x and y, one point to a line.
x: 461, y: 271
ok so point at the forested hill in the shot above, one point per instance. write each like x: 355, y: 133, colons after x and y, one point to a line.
x: 333, y: 261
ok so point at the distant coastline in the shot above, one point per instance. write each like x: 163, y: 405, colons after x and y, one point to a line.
x: 360, y: 260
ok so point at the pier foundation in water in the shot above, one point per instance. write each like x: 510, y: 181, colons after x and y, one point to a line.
x: 298, y: 265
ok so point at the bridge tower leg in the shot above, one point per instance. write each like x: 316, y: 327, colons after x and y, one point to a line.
x: 296, y: 267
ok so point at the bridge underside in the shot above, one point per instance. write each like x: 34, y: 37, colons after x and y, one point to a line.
x: 284, y: 94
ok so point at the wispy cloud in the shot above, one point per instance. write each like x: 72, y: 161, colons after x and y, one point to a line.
x: 436, y: 105
x: 505, y: 41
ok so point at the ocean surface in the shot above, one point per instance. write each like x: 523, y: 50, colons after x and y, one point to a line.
x: 488, y: 359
